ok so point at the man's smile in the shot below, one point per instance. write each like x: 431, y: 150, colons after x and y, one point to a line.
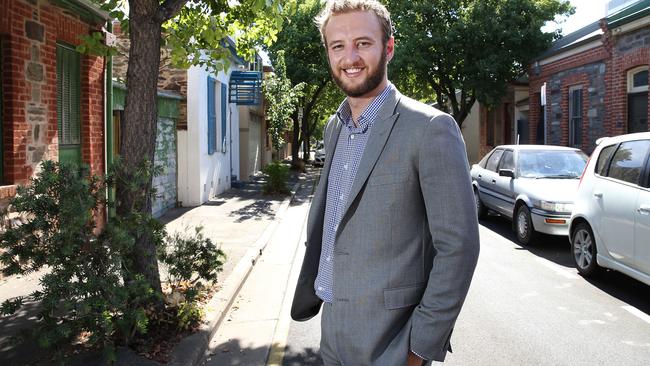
x: 352, y: 71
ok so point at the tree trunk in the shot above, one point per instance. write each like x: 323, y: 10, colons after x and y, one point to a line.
x: 305, y: 138
x: 139, y: 128
x: 295, y: 143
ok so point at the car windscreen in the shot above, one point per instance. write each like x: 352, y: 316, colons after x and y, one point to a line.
x: 551, y: 164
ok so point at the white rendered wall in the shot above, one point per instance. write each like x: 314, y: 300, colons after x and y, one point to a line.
x: 206, y: 175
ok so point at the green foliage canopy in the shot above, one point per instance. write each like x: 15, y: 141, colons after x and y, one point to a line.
x: 281, y: 99
x: 455, y: 52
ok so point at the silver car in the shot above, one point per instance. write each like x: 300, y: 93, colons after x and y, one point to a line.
x: 532, y: 185
x: 319, y: 155
x: 610, y: 223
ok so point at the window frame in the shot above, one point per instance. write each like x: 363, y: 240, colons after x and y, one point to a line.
x: 66, y: 101
x: 631, y: 89
x: 607, y: 162
x: 643, y: 165
x: 575, y: 119
x: 498, y: 161
x: 211, y: 115
x: 514, y: 165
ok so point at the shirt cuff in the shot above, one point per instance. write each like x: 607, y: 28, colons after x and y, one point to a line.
x: 417, y: 354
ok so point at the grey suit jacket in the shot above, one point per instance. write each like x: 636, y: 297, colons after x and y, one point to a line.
x: 408, y: 242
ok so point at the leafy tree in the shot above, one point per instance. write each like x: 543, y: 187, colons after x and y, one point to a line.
x: 282, y: 99
x: 306, y: 63
x: 193, y: 31
x: 456, y: 52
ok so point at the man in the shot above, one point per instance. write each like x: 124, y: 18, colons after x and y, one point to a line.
x: 392, y: 233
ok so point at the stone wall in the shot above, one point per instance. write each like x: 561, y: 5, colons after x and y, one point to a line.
x: 165, y: 156
x: 30, y: 31
x: 602, y: 72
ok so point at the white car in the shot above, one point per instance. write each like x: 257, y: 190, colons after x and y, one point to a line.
x: 533, y: 185
x: 610, y: 223
x: 319, y: 156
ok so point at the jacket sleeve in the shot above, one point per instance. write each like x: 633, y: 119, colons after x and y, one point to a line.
x: 446, y: 189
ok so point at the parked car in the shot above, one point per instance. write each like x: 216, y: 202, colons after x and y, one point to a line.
x: 319, y: 155
x: 610, y: 224
x: 532, y: 185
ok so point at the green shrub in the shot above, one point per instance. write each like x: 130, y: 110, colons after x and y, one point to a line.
x: 89, y: 287
x: 190, y: 259
x: 83, y: 289
x: 277, y: 175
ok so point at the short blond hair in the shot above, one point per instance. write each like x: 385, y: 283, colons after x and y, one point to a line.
x: 334, y: 7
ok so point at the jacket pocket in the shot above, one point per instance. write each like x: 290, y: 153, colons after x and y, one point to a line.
x: 403, y: 296
x: 384, y: 179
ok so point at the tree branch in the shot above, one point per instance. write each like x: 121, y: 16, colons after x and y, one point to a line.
x: 169, y: 9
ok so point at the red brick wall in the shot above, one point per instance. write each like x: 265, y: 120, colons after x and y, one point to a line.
x: 621, y: 65
x: 617, y: 65
x: 568, y: 82
x: 536, y: 80
x: 22, y: 94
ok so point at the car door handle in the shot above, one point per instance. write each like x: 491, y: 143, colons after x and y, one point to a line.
x: 480, y: 176
x: 644, y: 209
x: 598, y: 195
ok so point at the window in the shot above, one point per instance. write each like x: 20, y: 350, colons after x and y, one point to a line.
x: 575, y: 117
x: 507, y: 161
x: 628, y: 161
x: 68, y: 100
x: 493, y: 161
x: 637, y: 80
x: 603, y: 159
x: 637, y: 100
x: 224, y: 115
x: 212, y: 116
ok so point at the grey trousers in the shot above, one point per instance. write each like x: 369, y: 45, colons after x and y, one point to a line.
x: 334, y: 353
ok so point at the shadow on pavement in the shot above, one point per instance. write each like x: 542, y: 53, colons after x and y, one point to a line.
x: 557, y: 249
x: 16, y: 348
x: 624, y: 288
x: 234, y: 353
x: 551, y: 247
x: 307, y: 356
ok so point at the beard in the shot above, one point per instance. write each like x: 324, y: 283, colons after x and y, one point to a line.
x: 369, y: 84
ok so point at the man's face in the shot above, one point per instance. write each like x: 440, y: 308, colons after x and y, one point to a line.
x: 356, y: 53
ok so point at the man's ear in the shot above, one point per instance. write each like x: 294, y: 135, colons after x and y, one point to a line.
x: 390, y: 48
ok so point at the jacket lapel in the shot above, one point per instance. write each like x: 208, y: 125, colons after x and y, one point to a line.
x: 379, y: 133
x: 318, y: 204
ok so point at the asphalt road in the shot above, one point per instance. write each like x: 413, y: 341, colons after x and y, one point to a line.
x: 528, y: 306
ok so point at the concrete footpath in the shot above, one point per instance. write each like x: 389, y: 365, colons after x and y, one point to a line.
x: 242, y: 221
x: 257, y: 324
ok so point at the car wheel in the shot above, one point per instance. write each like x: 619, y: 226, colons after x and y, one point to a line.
x: 584, y: 250
x: 481, y: 210
x: 524, y: 226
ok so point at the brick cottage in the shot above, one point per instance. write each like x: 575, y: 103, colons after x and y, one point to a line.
x: 52, y: 97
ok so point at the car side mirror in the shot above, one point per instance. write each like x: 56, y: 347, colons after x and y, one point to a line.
x: 507, y: 173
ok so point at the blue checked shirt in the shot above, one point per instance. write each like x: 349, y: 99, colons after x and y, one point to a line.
x: 345, y: 162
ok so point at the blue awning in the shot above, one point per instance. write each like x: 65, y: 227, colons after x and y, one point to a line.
x: 246, y: 87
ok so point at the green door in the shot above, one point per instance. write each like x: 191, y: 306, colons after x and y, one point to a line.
x: 68, y: 99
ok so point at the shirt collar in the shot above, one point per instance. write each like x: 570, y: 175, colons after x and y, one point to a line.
x: 369, y: 115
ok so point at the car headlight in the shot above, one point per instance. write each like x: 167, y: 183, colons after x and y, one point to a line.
x: 556, y: 206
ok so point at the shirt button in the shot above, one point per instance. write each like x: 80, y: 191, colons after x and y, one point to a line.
x: 345, y: 166
x: 320, y: 288
x: 351, y: 137
x: 328, y: 258
x: 342, y: 197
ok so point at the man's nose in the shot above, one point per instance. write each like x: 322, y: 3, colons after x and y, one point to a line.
x: 351, y: 55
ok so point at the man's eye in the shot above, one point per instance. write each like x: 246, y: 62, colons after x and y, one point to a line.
x: 363, y: 44
x: 337, y: 47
